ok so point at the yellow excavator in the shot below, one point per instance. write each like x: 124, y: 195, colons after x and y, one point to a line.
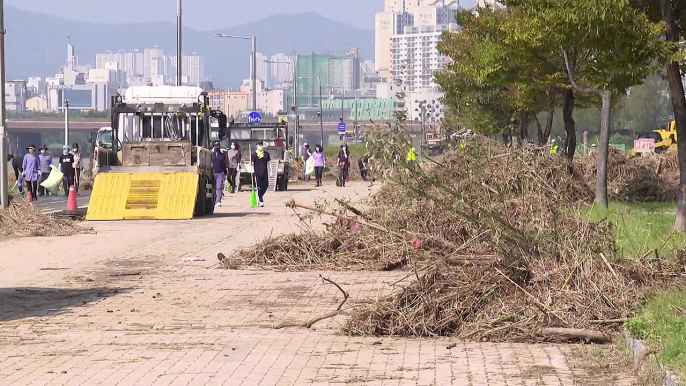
x: 665, y: 139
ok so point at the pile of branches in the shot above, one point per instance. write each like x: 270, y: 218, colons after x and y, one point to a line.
x: 20, y: 219
x: 494, y: 245
x: 653, y: 178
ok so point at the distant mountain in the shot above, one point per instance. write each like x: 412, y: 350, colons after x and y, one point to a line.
x: 36, y: 43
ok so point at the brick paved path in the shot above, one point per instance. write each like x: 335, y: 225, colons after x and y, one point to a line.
x: 123, y: 307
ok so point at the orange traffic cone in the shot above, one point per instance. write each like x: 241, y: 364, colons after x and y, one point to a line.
x: 71, y: 201
x: 29, y: 196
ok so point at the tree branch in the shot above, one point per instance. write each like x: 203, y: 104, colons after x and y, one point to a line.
x: 331, y: 314
x: 570, y: 73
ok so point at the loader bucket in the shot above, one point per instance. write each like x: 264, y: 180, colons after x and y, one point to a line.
x: 143, y: 196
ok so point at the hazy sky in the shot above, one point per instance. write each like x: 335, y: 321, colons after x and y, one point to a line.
x: 206, y: 14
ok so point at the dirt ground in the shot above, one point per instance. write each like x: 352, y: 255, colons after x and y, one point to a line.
x: 141, y: 303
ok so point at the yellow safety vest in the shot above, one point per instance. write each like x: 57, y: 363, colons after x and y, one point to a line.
x: 462, y: 145
x: 411, y: 155
x: 553, y: 150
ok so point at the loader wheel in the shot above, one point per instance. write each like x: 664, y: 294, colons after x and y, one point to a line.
x: 209, y: 202
x: 200, y: 199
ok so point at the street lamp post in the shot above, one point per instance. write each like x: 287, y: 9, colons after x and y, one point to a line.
x: 422, y: 116
x: 179, y: 46
x: 4, y: 198
x: 65, y: 106
x: 342, y: 98
x: 294, y: 107
x: 321, y: 112
x: 253, y: 70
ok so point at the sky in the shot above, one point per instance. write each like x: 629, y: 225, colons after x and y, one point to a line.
x: 206, y: 14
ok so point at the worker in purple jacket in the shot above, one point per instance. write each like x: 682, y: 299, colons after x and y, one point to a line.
x: 219, y: 166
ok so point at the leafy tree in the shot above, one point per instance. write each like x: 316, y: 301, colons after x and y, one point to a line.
x: 607, y: 47
x: 647, y: 105
x: 671, y: 13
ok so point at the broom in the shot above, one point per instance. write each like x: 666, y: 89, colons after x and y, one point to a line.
x: 253, y: 193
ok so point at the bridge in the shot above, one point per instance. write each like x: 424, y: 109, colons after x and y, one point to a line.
x: 24, y: 132
x: 43, y: 126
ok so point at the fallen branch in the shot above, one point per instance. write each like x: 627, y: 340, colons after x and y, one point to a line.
x: 607, y: 263
x: 292, y: 204
x: 351, y: 208
x: 610, y: 321
x: 331, y: 314
x: 574, y: 334
x: 545, y: 309
x: 124, y: 274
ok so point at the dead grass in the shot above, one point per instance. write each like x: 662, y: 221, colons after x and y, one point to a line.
x: 22, y: 220
x: 494, y: 242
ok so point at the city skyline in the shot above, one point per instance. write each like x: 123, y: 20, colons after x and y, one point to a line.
x: 358, y: 13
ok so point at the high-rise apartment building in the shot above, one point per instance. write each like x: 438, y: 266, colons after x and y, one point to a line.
x: 435, y: 12
x: 387, y: 25
x: 401, y: 6
x: 263, y: 68
x: 193, y: 69
x: 416, y: 57
x: 423, y: 21
x: 148, y: 55
x: 282, y: 67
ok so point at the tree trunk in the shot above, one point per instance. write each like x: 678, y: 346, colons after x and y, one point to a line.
x: 524, y: 129
x: 570, y: 126
x: 676, y: 91
x: 551, y: 115
x: 539, y: 129
x: 603, y: 150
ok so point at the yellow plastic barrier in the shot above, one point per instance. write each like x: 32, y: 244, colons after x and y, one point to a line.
x: 143, y: 196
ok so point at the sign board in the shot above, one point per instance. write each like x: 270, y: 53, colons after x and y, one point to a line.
x: 254, y: 117
x: 619, y: 146
x: 644, y: 145
x: 341, y: 128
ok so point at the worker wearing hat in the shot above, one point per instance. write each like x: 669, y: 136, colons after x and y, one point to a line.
x: 262, y: 168
x: 67, y: 168
x: 31, y: 166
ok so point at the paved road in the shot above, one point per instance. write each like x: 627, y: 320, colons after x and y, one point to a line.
x: 140, y: 303
x: 55, y: 203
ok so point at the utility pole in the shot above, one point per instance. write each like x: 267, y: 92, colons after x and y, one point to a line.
x: 65, y: 106
x: 4, y: 197
x: 342, y: 102
x: 254, y: 73
x: 296, y: 131
x: 179, y: 46
x: 321, y: 112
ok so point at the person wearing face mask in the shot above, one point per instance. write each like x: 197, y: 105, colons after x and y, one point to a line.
x: 17, y: 163
x: 319, y: 162
x: 219, y: 166
x: 343, y: 164
x: 261, y: 165
x: 77, y: 166
x: 31, y: 168
x: 67, y: 168
x: 233, y: 156
x: 45, y: 161
x: 307, y: 153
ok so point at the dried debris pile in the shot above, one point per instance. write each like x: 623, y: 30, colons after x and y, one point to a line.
x: 494, y: 245
x: 20, y: 219
x: 646, y: 179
